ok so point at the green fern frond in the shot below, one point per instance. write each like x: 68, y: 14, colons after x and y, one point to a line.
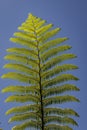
x: 38, y: 64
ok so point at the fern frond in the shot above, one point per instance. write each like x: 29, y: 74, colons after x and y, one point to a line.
x: 60, y: 111
x: 61, y: 120
x: 59, y: 89
x: 58, y: 79
x: 22, y: 98
x: 22, y: 109
x: 56, y: 60
x: 59, y: 100
x: 37, y: 64
x: 56, y: 127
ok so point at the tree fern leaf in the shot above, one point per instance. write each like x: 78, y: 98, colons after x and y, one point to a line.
x: 59, y: 100
x: 23, y: 126
x: 61, y: 120
x: 56, y: 127
x: 23, y: 51
x: 22, y: 109
x: 48, y: 35
x: 56, y: 60
x: 60, y: 111
x: 59, y: 89
x: 24, y: 42
x: 51, y: 43
x: 22, y: 98
x: 21, y: 89
x: 20, y: 77
x: 54, y: 51
x: 58, y: 69
x: 21, y: 68
x: 58, y: 79
x: 25, y: 116
x: 38, y: 66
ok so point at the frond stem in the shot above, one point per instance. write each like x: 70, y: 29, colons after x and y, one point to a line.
x: 41, y: 96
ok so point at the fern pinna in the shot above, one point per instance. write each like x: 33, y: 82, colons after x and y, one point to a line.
x: 39, y: 64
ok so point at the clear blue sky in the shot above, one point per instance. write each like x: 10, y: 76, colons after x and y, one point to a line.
x: 71, y: 16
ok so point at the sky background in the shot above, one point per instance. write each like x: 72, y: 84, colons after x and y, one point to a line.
x: 71, y: 16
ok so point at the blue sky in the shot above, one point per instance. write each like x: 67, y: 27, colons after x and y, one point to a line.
x: 71, y: 16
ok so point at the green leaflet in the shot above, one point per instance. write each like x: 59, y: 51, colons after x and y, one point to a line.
x: 58, y: 69
x: 58, y: 79
x: 25, y: 116
x: 54, y: 51
x: 57, y: 127
x: 22, y: 59
x: 48, y: 35
x: 21, y: 68
x: 22, y: 98
x: 37, y: 64
x: 20, y: 77
x: 24, y: 42
x: 59, y: 90
x: 56, y: 60
x: 23, y: 109
x: 23, y: 51
x: 51, y: 43
x: 21, y: 89
x: 61, y: 120
x: 60, y: 111
x: 59, y: 100
x: 43, y: 29
x: 23, y: 126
